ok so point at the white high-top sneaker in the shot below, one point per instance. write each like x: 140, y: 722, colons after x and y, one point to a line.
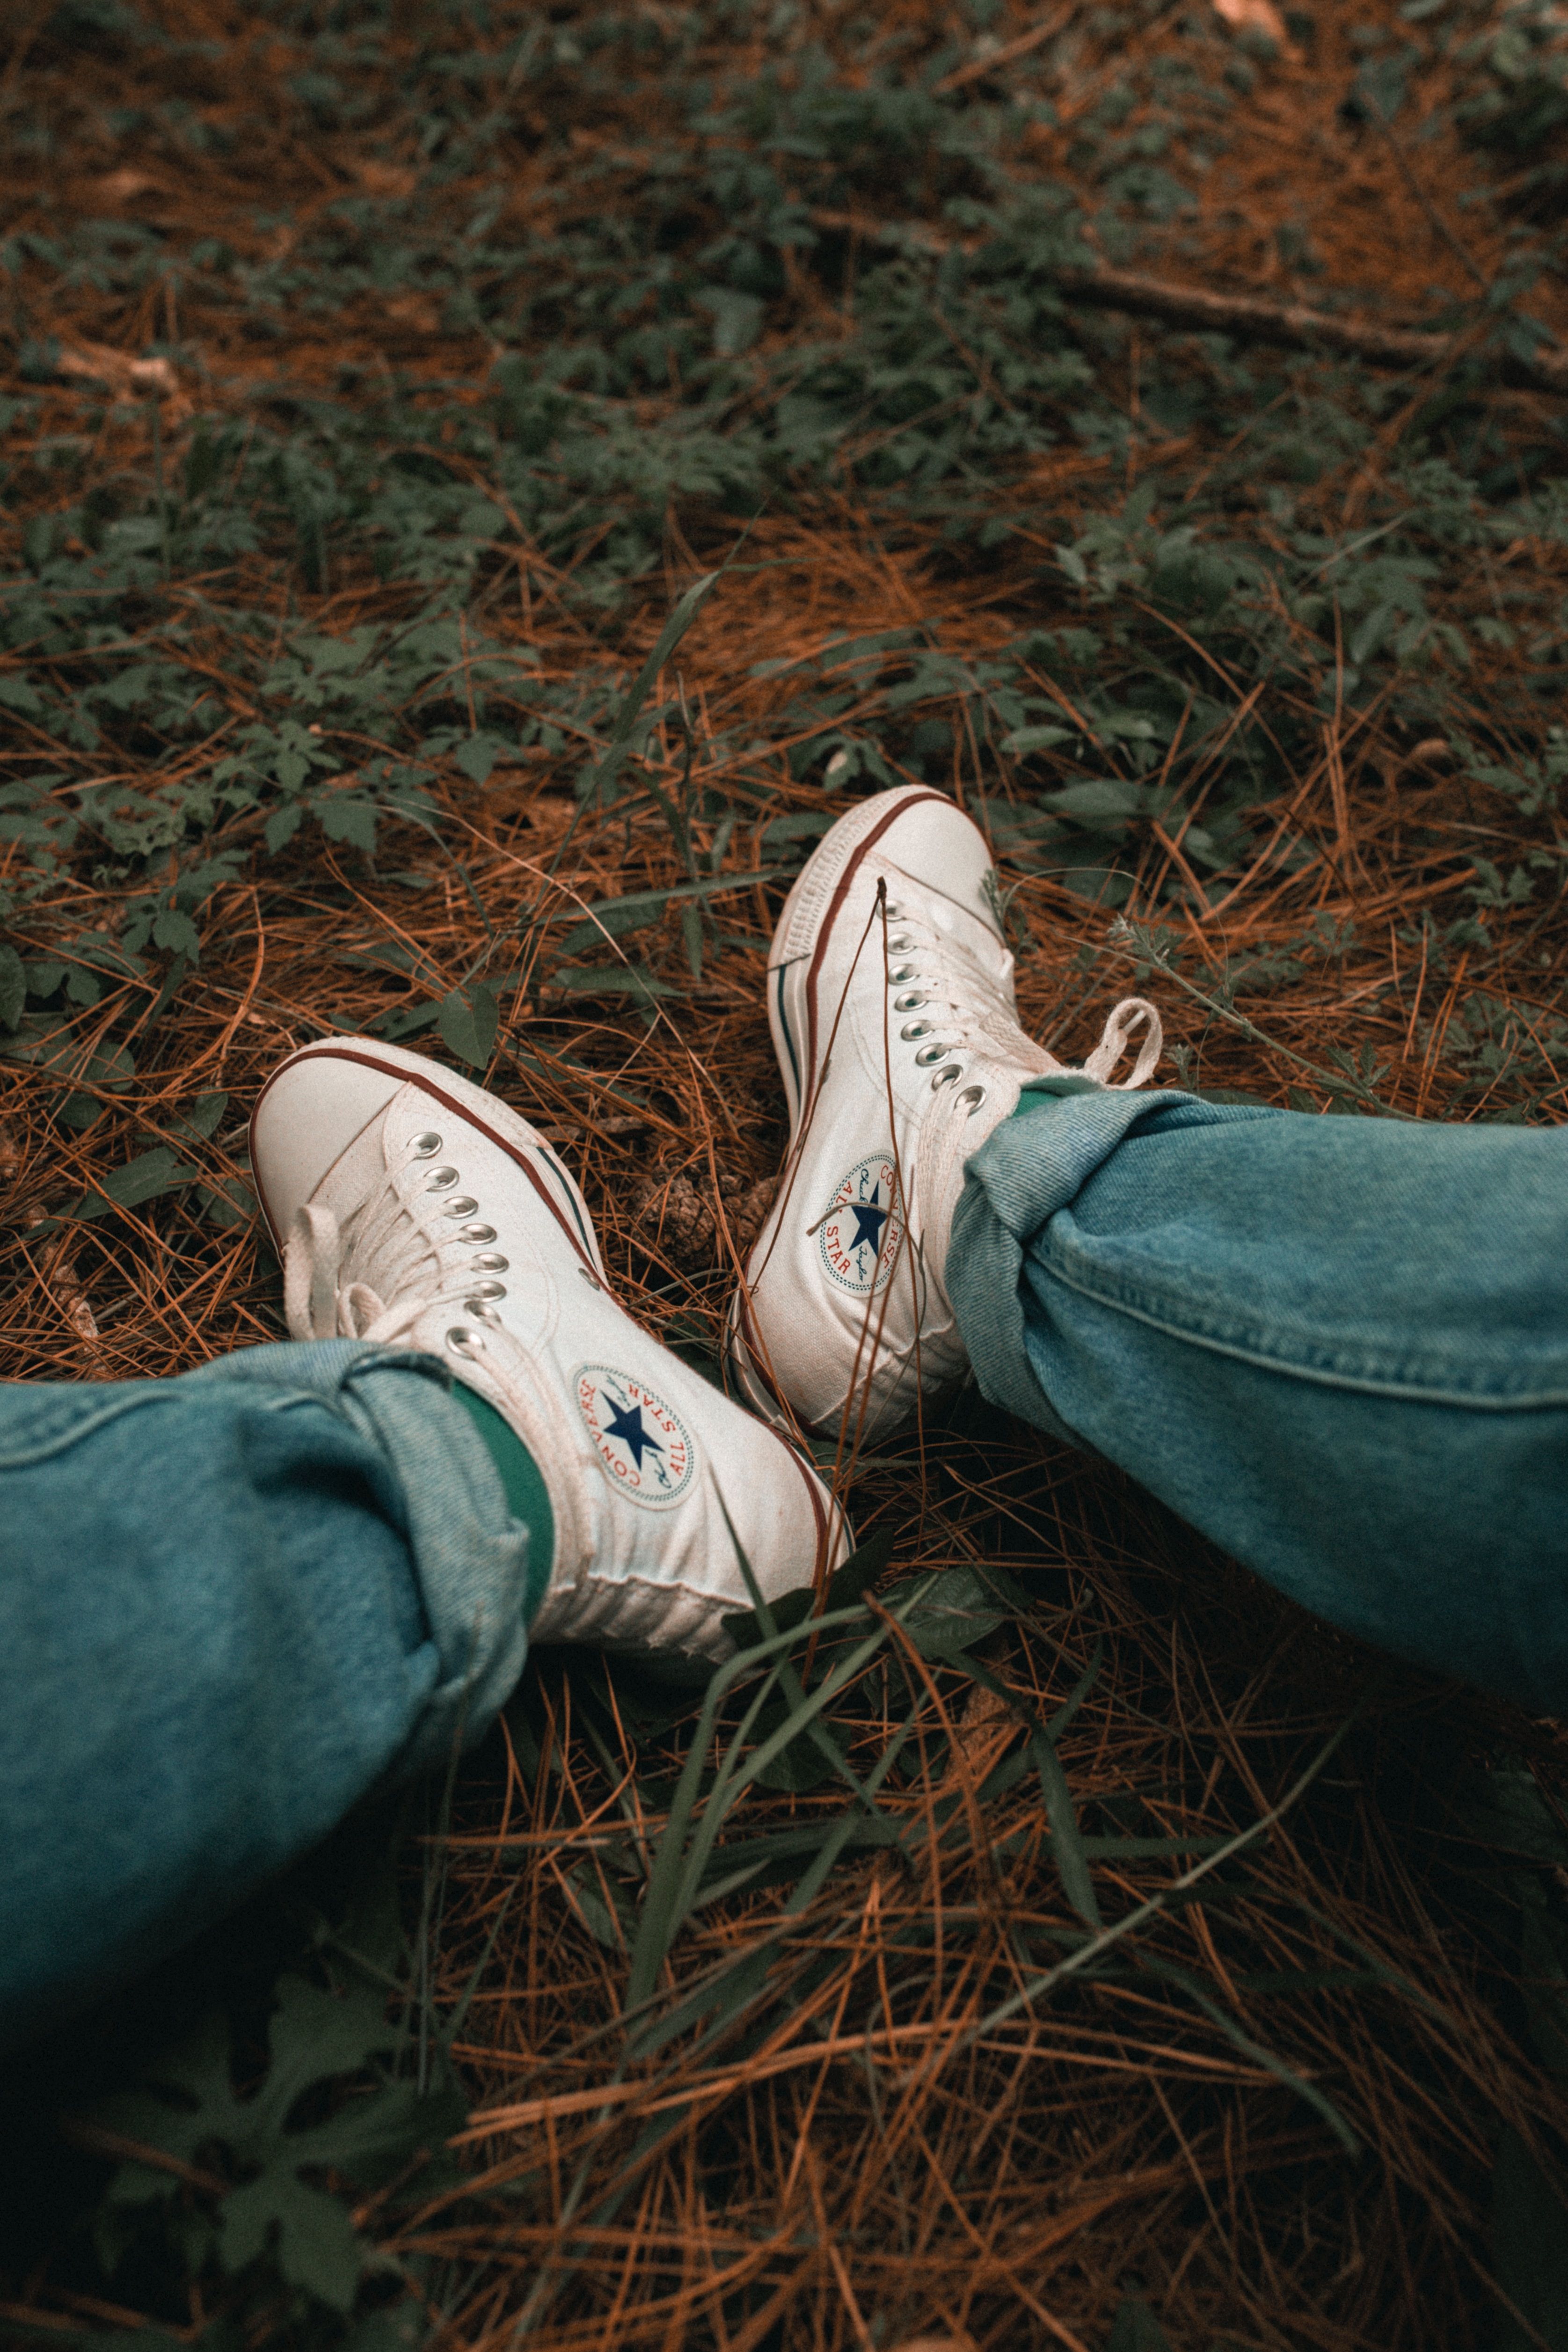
x: 409, y: 1206
x: 890, y: 995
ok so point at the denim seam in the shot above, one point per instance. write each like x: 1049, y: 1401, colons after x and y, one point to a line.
x: 64, y: 1423
x: 1330, y: 1369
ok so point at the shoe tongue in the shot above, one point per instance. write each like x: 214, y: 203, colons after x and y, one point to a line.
x: 968, y: 884
x: 972, y: 927
x: 361, y: 1168
x: 365, y: 1165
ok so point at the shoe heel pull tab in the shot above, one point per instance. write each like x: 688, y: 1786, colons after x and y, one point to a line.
x: 1121, y: 1022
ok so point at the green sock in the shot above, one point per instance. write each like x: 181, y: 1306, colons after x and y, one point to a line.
x: 1038, y: 1094
x: 526, y: 1498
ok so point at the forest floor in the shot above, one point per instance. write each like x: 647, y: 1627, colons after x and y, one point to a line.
x: 1143, y: 422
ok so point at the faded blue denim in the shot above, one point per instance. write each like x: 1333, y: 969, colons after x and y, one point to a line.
x: 1338, y: 1346
x: 230, y: 1604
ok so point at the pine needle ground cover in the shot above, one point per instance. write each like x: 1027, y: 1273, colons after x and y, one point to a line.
x: 485, y: 487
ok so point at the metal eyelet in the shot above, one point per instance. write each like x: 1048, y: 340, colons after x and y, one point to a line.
x: 482, y: 1308
x: 899, y: 946
x: 440, y: 1178
x: 475, y: 1234
x: 463, y: 1208
x: 908, y: 1003
x: 945, y: 1078
x: 974, y: 1096
x: 463, y: 1342
x: 424, y: 1147
x: 489, y: 1261
x: 590, y: 1277
x: 905, y: 971
x: 895, y: 914
x: 485, y: 1290
x: 912, y: 1029
x: 929, y: 1054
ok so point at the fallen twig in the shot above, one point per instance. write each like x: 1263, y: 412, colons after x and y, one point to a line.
x: 1247, y: 316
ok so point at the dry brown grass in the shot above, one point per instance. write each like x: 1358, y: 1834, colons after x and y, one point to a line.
x: 862, y: 2160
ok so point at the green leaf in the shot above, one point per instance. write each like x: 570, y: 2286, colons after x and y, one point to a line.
x: 13, y: 988
x: 146, y: 1177
x: 348, y: 817
x: 198, y: 1124
x: 616, y: 918
x: 227, y: 1203
x: 1104, y: 803
x: 187, y: 2105
x: 43, y: 1040
x: 282, y: 826
x: 43, y: 976
x: 634, y: 981
x: 111, y: 1067
x: 177, y: 932
x: 468, y: 1020
x: 316, y: 2245
x: 478, y: 756
x: 957, y: 1609
x: 407, y: 1020
x: 374, y: 2134
x: 1025, y: 739
x: 16, y: 694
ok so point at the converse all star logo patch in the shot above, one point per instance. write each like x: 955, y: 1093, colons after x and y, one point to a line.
x: 641, y: 1440
x: 860, y: 1234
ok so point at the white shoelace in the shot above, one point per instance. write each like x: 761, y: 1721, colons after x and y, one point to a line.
x: 943, y: 1022
x: 417, y: 1267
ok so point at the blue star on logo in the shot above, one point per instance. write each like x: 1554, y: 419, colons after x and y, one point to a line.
x: 868, y: 1221
x: 626, y: 1424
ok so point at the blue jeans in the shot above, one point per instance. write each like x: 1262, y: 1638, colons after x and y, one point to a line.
x: 1337, y: 1346
x: 230, y: 1604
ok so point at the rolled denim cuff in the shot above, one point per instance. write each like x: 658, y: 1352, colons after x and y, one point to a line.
x: 469, y: 1556
x: 1030, y: 1166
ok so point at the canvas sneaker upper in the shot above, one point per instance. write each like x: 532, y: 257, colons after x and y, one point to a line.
x: 409, y: 1206
x: 890, y: 996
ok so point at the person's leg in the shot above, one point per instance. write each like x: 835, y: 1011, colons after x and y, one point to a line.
x: 1337, y: 1346
x: 230, y: 1603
